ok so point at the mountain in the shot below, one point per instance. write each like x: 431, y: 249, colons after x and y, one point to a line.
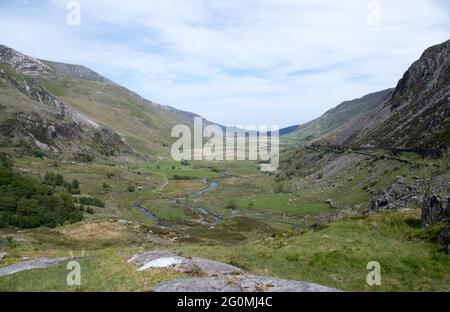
x: 418, y: 113
x: 71, y: 109
x: 338, y: 117
x: 415, y: 114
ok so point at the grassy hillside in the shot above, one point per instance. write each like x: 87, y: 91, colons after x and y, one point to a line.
x: 337, y: 117
x: 87, y: 97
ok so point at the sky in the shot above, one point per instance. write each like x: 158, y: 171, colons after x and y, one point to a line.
x: 261, y: 62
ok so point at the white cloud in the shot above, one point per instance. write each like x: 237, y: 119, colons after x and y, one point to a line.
x: 232, y: 61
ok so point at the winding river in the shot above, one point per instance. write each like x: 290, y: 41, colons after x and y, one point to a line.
x: 202, y: 211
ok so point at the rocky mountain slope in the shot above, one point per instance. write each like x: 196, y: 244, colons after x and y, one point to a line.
x: 65, y: 108
x: 418, y: 113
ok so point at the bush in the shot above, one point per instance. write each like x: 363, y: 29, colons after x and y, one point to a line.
x: 91, y: 201
x: 131, y: 189
x: 89, y: 210
x: 55, y: 180
x: 27, y: 203
x: 231, y: 205
x: 37, y: 153
x: 178, y: 177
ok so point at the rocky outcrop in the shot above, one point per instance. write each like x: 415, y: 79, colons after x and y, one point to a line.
x: 398, y: 195
x: 41, y: 263
x: 37, y: 94
x: 434, y: 210
x: 418, y: 113
x: 23, y: 63
x: 444, y: 236
x: 3, y: 255
x: 214, y: 276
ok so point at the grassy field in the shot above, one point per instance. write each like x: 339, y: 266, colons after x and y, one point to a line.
x: 334, y: 255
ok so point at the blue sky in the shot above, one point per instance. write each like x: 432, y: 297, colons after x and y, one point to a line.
x: 245, y: 62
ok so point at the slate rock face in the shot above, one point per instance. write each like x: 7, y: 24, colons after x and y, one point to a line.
x: 434, y: 209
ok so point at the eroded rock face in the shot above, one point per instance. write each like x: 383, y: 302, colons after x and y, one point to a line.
x: 214, y: 276
x: 434, y: 209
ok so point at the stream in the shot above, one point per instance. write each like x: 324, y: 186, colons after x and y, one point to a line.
x: 138, y: 206
x: 203, y: 211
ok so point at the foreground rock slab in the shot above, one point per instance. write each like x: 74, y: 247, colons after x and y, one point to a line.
x: 41, y: 263
x: 239, y: 283
x: 215, y: 276
x: 163, y: 259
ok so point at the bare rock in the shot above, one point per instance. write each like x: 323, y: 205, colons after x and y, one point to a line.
x: 213, y: 268
x: 434, y: 209
x: 41, y: 263
x: 197, y: 284
x: 3, y: 255
x: 142, y: 258
x: 397, y: 195
x: 163, y: 259
x: 238, y: 283
x: 217, y: 276
x: 254, y: 283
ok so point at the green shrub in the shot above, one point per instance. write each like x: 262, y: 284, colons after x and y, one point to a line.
x: 26, y: 203
x: 55, y: 180
x: 231, y: 205
x: 131, y: 189
x: 91, y: 201
x: 179, y: 177
x: 37, y: 153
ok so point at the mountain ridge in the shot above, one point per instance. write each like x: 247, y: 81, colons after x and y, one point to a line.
x: 414, y: 114
x: 90, y: 99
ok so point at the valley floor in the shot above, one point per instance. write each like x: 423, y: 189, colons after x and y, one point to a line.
x: 254, y: 221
